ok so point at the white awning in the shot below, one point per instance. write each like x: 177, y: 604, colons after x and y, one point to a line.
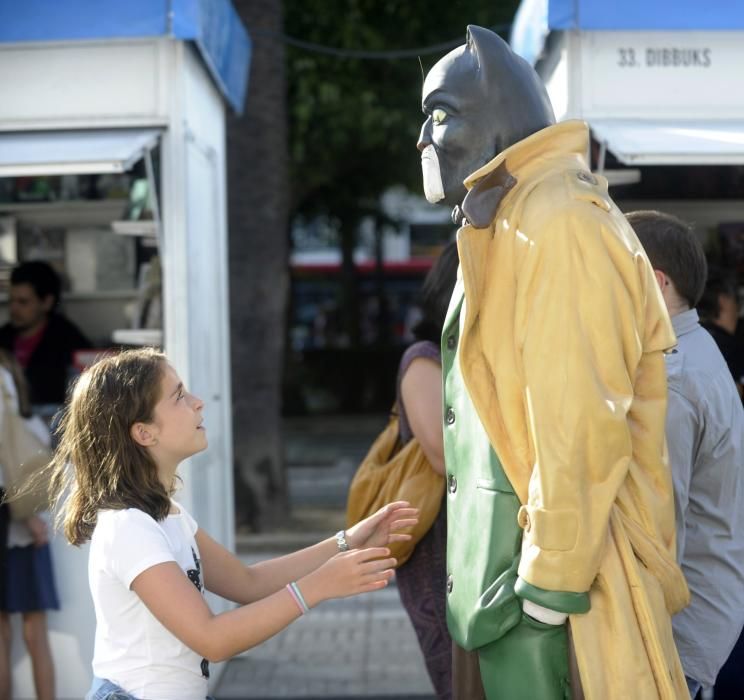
x: 87, y: 152
x: 638, y: 142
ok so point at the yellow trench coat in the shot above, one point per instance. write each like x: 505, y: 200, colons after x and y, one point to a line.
x: 562, y: 353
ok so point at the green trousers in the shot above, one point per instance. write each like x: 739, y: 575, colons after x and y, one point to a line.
x: 530, y: 662
x: 519, y: 658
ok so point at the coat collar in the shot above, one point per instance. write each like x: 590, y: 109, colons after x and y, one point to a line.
x: 484, y: 198
x: 569, y: 137
x: 488, y: 185
x: 515, y: 165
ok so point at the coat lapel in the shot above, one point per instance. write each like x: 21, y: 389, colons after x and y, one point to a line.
x: 453, y: 311
x: 472, y: 247
x: 476, y: 260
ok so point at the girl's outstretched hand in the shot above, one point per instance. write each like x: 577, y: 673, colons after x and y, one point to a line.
x: 383, y: 527
x: 349, y: 573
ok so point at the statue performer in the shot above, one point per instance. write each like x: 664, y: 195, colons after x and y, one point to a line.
x: 560, y: 505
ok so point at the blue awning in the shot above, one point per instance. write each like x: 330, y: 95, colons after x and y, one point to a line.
x: 213, y: 25
x: 536, y: 18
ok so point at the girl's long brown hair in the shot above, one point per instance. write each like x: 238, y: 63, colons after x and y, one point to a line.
x: 97, y: 464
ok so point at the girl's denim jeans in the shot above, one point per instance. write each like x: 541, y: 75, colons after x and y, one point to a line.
x: 102, y: 689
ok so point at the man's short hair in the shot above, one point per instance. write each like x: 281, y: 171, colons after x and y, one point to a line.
x: 39, y: 275
x: 673, y: 248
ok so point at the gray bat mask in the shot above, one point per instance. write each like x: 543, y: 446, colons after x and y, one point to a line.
x: 478, y: 100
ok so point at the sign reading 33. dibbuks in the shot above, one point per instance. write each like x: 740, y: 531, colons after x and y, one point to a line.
x: 658, y: 73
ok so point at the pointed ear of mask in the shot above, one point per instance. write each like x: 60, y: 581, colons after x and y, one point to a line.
x: 472, y: 46
x: 509, y: 81
x: 491, y: 56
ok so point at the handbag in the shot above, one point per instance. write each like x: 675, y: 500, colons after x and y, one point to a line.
x: 395, y: 472
x: 22, y: 456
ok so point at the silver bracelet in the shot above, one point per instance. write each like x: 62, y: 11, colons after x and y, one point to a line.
x: 343, y: 545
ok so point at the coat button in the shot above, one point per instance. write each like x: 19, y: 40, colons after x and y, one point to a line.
x: 449, y: 584
x: 452, y: 483
x: 451, y: 342
x: 450, y: 415
x: 523, y: 519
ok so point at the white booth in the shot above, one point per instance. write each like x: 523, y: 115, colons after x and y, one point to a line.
x: 661, y: 84
x: 103, y: 98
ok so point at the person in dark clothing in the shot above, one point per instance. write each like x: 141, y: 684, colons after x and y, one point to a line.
x: 422, y: 579
x: 41, y: 339
x: 719, y: 315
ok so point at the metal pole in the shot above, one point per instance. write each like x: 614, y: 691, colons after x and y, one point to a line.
x: 153, y: 195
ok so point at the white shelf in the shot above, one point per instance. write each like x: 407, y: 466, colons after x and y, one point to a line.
x: 146, y: 228
x: 138, y: 336
x: 100, y: 294
x: 81, y: 213
x: 94, y: 295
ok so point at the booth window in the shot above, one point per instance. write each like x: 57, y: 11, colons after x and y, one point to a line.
x: 86, y: 202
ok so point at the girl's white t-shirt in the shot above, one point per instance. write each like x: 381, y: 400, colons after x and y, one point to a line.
x: 132, y: 648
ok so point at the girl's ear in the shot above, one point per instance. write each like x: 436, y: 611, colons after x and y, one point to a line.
x: 143, y: 434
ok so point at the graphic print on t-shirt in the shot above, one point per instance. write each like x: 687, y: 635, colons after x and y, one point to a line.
x: 195, y: 578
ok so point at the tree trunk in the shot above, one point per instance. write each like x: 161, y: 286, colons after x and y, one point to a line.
x: 257, y: 171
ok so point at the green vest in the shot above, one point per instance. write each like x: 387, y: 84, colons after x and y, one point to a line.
x: 483, y: 537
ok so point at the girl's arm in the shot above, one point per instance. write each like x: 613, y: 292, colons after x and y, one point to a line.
x: 225, y: 575
x: 421, y: 394
x: 180, y: 607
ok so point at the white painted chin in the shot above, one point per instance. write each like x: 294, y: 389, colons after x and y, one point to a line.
x: 433, y: 188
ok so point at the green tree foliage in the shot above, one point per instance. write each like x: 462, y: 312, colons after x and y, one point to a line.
x: 353, y: 122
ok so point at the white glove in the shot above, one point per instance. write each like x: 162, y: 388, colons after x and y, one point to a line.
x: 541, y: 614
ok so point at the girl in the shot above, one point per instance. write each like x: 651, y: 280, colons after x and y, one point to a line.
x: 128, y: 424
x: 26, y: 575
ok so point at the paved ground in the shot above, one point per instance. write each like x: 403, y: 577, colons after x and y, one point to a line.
x: 353, y: 648
x: 360, y: 647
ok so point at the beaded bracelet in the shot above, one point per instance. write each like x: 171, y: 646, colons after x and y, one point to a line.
x: 294, y: 591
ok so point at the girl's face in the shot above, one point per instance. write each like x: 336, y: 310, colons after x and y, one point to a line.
x: 177, y: 426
